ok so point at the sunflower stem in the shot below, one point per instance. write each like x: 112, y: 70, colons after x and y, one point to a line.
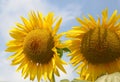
x: 53, y: 78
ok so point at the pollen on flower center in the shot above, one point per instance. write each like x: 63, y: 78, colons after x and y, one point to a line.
x: 38, y: 46
x: 100, y: 45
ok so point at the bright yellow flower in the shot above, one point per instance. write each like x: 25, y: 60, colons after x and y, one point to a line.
x: 95, y: 45
x: 35, y: 45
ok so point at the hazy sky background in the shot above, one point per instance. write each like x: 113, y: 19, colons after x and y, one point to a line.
x: 11, y: 10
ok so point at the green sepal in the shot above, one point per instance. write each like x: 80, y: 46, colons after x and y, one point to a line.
x: 61, y: 50
x: 66, y: 50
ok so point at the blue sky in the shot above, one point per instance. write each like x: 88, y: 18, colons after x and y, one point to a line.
x: 11, y: 10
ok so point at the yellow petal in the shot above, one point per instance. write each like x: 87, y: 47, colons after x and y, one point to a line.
x: 28, y: 69
x: 76, y: 27
x: 24, y: 69
x: 40, y: 20
x: 13, y: 48
x: 33, y: 20
x: 49, y: 18
x: 58, y: 59
x: 22, y: 27
x: 44, y: 71
x: 60, y: 66
x: 104, y: 16
x: 56, y: 72
x: 82, y: 22
x: 92, y: 19
x: 39, y: 72
x: 76, y: 60
x: 16, y: 54
x: 26, y: 75
x: 15, y: 42
x: 50, y: 71
x: 57, y: 26
x: 113, y: 17
x: 80, y: 66
x: 33, y: 71
x: 18, y: 32
x: 87, y: 76
x: 27, y: 24
x: 76, y: 33
x: 17, y: 60
x: 16, y: 36
x: 23, y: 63
x: 98, y: 21
x: 57, y: 37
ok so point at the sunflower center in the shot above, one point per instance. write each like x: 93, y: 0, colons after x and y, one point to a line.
x: 100, y: 45
x: 38, y: 46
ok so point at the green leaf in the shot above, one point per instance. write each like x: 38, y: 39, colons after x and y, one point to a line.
x: 66, y: 50
x: 74, y: 80
x: 64, y: 80
x: 60, y: 52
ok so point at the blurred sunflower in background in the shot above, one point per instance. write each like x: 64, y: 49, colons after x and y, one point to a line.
x: 95, y: 45
x: 35, y: 45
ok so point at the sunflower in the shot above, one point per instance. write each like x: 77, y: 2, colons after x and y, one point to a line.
x: 35, y: 45
x: 95, y: 45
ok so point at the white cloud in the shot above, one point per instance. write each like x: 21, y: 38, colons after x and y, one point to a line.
x: 8, y: 73
x: 70, y: 12
x: 10, y: 12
